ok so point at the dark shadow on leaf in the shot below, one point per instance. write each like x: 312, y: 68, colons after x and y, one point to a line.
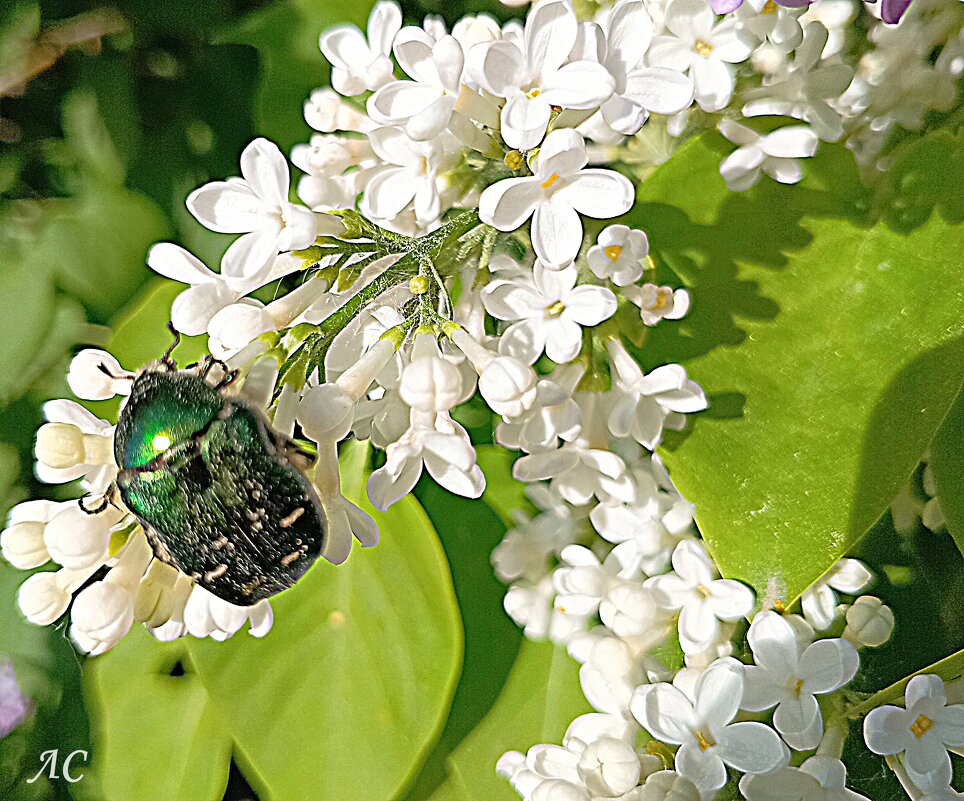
x: 936, y: 375
x: 238, y: 788
x: 722, y: 406
x: 469, y: 530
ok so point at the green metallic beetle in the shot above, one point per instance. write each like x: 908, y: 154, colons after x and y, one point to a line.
x: 221, y: 496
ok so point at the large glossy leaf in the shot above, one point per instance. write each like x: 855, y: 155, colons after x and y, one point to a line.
x: 831, y: 351
x: 947, y: 463
x: 541, y: 698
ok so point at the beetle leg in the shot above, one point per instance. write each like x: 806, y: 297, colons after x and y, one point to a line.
x: 228, y: 378
x: 166, y: 358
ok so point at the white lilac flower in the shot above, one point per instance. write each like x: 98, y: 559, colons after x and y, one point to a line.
x: 207, y: 293
x: 922, y: 731
x: 702, y: 726
x: 595, y: 759
x: 508, y: 385
x: 611, y: 670
x: 530, y: 606
x: 548, y: 312
x: 805, y: 88
x: 422, y: 106
x: 97, y: 375
x: 790, y: 672
x: 526, y: 550
x: 646, y: 530
x: 819, y: 601
x: 648, y: 403
x: 870, y: 622
x: 560, y: 190
x: 619, y: 254
x: 703, y: 599
x: 75, y: 444
x: 697, y: 44
x: 638, y: 89
x: 554, y: 415
x: 577, y: 472
x: 429, y: 382
x: 820, y: 778
x: 257, y: 207
x: 327, y: 112
x: 409, y: 176
x: 436, y: 442
x: 359, y: 64
x: 835, y: 16
x: 778, y: 27
x: 775, y: 154
x: 658, y: 302
x: 22, y: 541
x: 206, y: 615
x: 533, y: 75
x: 664, y: 785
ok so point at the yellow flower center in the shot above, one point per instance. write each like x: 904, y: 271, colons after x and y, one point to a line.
x: 769, y: 7
x: 705, y: 743
x: 550, y: 180
x: 662, y: 298
x: 703, y: 47
x: 798, y: 687
x: 513, y: 159
x: 703, y: 590
x: 613, y: 252
x: 555, y: 309
x: 921, y: 726
x: 533, y: 93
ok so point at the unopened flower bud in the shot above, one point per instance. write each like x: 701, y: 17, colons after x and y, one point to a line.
x: 43, y: 598
x: 869, y: 622
x: 609, y: 767
x: 22, y: 542
x: 61, y: 446
x: 508, y: 386
x: 325, y: 413
x: 96, y: 375
x: 431, y: 384
x: 666, y: 785
x: 104, y: 613
x: 77, y: 540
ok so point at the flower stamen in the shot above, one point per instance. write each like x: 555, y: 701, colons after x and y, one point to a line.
x: 921, y: 726
x: 703, y: 48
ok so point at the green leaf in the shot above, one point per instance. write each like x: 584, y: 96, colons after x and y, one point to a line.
x: 156, y: 736
x: 541, y: 698
x: 286, y: 38
x: 828, y: 356
x: 947, y: 463
x: 25, y: 309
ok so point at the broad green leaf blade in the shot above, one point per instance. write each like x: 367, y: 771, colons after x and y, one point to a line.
x: 156, y: 736
x: 348, y: 693
x: 30, y: 301
x: 830, y: 353
x: 947, y: 463
x: 541, y: 698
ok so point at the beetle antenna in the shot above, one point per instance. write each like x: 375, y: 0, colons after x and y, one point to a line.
x: 166, y: 358
x: 104, y: 503
x: 103, y: 368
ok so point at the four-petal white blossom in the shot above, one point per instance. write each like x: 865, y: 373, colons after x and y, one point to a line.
x: 560, y: 190
x: 702, y: 726
x: 790, y: 672
x: 359, y: 64
x: 775, y: 153
x: 922, y: 731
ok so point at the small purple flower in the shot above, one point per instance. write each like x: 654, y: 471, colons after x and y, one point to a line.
x: 14, y: 706
x: 726, y: 6
x: 892, y: 10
